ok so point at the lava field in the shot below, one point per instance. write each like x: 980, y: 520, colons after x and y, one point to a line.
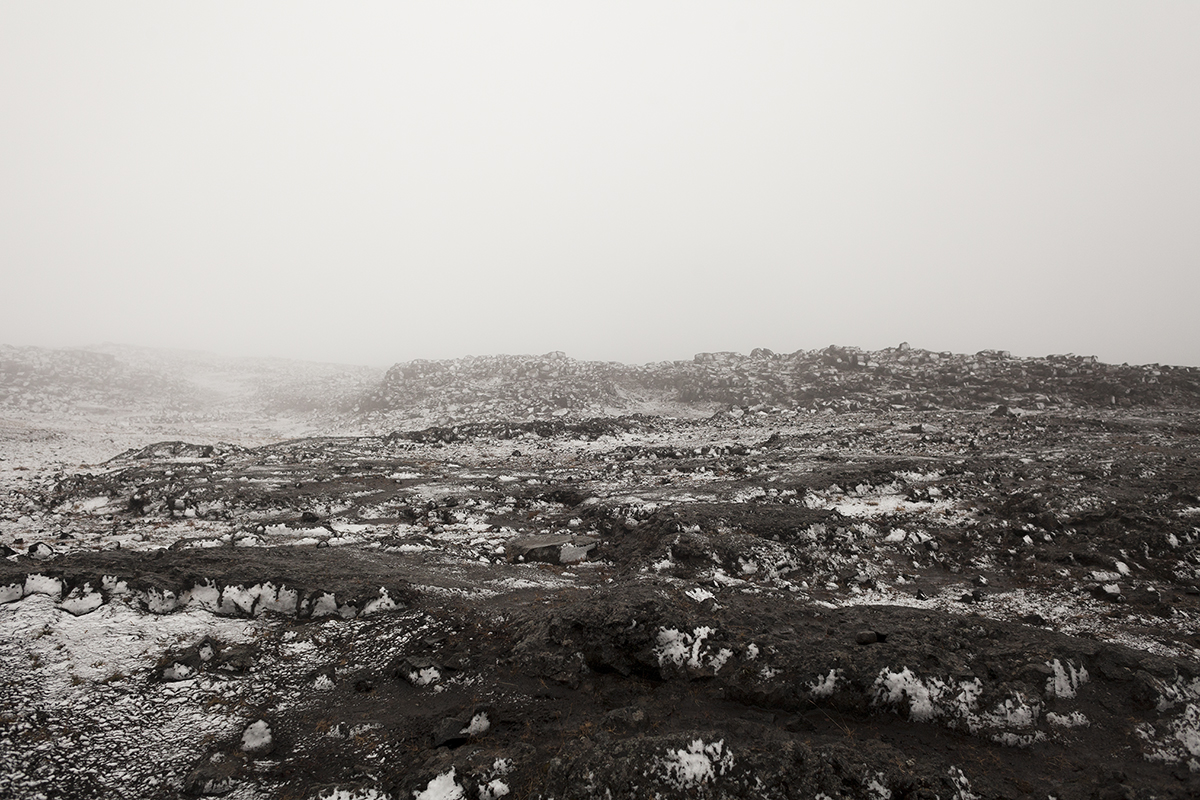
x: 774, y: 587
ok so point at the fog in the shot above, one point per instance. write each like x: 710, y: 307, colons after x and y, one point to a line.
x: 372, y: 183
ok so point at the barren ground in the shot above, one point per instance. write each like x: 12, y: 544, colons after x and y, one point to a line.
x: 757, y: 602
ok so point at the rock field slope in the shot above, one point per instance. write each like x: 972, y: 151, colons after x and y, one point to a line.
x: 835, y: 574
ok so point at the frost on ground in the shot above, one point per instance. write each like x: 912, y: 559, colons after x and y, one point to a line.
x: 86, y: 677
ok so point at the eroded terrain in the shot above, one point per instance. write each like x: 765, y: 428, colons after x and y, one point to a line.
x: 944, y: 604
x: 826, y: 575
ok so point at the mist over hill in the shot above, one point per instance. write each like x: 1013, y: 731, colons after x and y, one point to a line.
x: 190, y: 387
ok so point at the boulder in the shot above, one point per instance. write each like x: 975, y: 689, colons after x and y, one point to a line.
x: 557, y: 548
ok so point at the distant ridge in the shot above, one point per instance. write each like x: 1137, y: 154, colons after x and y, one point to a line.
x: 839, y: 378
x: 417, y: 393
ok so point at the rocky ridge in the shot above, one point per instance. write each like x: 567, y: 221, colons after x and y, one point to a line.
x: 839, y: 378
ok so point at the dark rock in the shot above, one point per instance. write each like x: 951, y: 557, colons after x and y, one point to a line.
x: 629, y: 718
x: 41, y: 551
x: 866, y: 637
x: 450, y: 732
x: 419, y: 672
x: 559, y: 548
x: 212, y: 779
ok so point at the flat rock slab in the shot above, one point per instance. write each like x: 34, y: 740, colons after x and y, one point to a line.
x: 562, y: 548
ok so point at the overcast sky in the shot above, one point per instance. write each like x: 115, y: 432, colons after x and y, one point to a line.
x: 376, y: 182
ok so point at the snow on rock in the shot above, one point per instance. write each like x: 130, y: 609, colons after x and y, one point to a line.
x: 40, y: 584
x: 382, y: 603
x: 204, y: 595
x: 1181, y: 691
x: 1179, y: 742
x: 116, y: 639
x: 927, y: 699
x: 242, y: 601
x: 687, y: 649
x: 1066, y: 680
x: 823, y: 687
x: 11, y: 592
x: 113, y: 586
x: 493, y: 790
x: 178, y: 672
x: 1015, y: 712
x: 424, y: 676
x: 696, y: 764
x: 326, y: 605
x: 257, y: 738
x: 42, y: 551
x: 338, y: 793
x: 1076, y: 719
x: 82, y: 600
x: 281, y: 600
x: 962, y: 786
x: 159, y: 601
x: 237, y: 601
x: 478, y: 726
x: 1011, y: 722
x: 443, y: 787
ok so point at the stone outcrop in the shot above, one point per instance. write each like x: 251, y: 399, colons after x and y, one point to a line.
x: 840, y: 378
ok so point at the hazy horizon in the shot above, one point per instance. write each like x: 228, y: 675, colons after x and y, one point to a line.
x: 100, y: 346
x: 631, y: 182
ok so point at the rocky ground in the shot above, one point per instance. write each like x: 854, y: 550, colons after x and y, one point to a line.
x: 826, y: 589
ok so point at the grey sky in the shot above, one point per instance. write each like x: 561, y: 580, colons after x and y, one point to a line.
x: 627, y: 181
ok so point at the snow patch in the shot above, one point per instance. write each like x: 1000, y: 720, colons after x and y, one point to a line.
x: 326, y: 604
x: 927, y: 699
x: 1180, y: 741
x: 823, y: 687
x: 479, y: 725
x: 696, y: 764
x: 493, y: 790
x: 257, y: 737
x: 178, y: 672
x: 41, y: 584
x: 352, y: 794
x: 382, y: 603
x: 1075, y: 719
x: 680, y: 648
x: 443, y: 787
x: 962, y: 786
x: 424, y: 676
x: 1067, y: 679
